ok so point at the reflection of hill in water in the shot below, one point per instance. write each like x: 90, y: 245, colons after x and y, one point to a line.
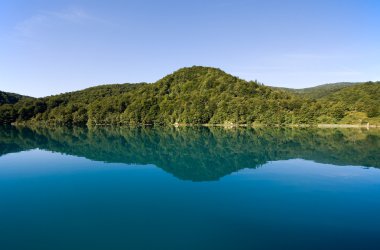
x: 200, y: 154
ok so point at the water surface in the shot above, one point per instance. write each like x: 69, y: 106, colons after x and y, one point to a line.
x: 189, y: 188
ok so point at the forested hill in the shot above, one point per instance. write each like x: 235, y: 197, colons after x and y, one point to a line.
x: 197, y: 95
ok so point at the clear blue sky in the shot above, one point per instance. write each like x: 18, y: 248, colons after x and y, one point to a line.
x: 50, y: 47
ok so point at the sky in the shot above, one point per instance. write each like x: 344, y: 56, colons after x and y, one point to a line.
x: 50, y: 47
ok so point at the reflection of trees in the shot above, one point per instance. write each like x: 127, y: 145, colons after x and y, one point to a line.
x: 199, y: 153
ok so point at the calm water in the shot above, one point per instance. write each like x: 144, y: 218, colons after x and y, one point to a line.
x: 189, y: 188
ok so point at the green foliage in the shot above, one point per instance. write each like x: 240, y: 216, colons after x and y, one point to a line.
x: 9, y: 98
x: 361, y: 97
x: 196, y: 95
x: 7, y: 114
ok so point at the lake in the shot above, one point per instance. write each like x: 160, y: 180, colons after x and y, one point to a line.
x: 189, y: 188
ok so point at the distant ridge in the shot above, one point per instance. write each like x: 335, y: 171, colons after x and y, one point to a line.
x: 320, y: 91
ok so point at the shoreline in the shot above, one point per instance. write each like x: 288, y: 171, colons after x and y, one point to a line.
x: 226, y: 125
x: 231, y: 125
x: 368, y: 126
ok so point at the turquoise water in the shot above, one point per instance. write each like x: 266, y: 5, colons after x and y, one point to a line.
x: 189, y: 188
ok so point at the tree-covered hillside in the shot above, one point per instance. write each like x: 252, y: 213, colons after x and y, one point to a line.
x: 9, y: 98
x: 356, y: 103
x: 196, y: 95
x: 8, y: 106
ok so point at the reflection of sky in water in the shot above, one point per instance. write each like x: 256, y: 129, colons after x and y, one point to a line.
x: 40, y: 162
x: 296, y: 168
